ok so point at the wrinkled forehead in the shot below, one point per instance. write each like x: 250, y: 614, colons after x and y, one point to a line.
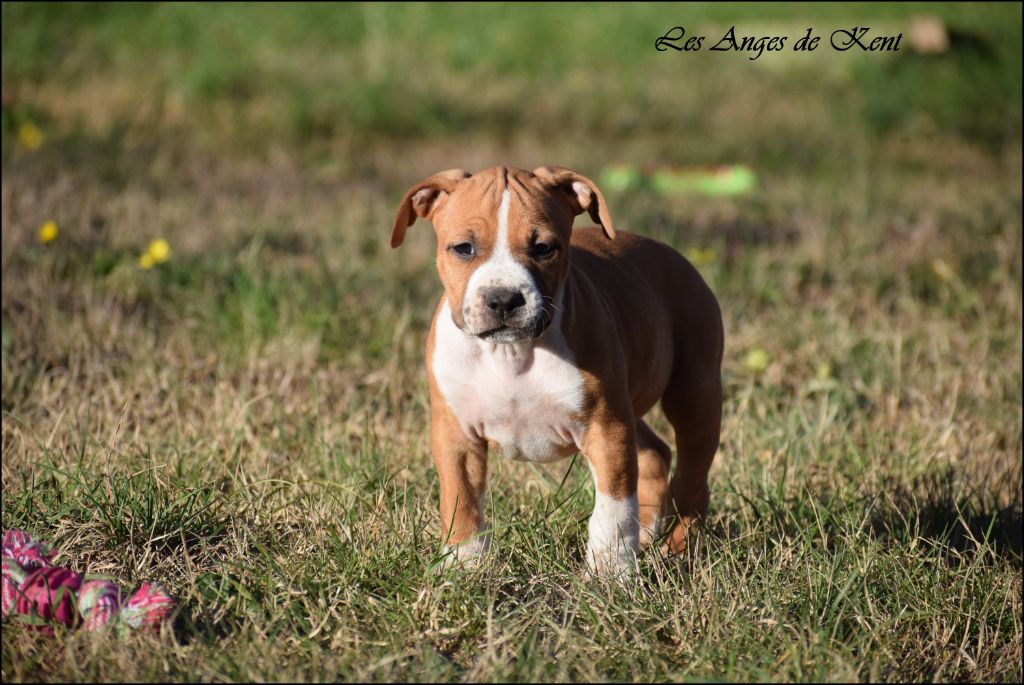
x: 477, y: 202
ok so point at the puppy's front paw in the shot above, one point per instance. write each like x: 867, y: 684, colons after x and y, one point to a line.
x: 604, y: 562
x: 467, y: 555
x: 614, y: 537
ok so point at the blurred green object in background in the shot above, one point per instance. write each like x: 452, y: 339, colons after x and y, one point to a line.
x: 722, y: 181
x: 621, y: 177
x: 725, y: 180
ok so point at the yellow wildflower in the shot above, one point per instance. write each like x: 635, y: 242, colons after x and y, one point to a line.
x: 942, y: 269
x: 146, y: 261
x: 159, y: 251
x: 30, y: 135
x: 48, y: 232
x: 700, y: 257
x: 824, y: 370
x: 756, y: 360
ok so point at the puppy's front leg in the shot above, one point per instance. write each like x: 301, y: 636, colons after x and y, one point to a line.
x: 462, y: 467
x: 610, y: 449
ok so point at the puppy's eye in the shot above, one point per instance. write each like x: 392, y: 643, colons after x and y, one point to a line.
x: 543, y: 250
x: 464, y: 250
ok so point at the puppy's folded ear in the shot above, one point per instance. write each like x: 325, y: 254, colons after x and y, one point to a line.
x: 423, y: 199
x: 579, y: 192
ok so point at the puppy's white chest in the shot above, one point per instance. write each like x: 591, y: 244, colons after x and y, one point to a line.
x: 525, y: 401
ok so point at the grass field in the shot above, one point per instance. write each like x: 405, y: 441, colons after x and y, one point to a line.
x: 246, y: 421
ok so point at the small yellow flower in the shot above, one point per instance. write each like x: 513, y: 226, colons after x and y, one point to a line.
x: 48, y: 232
x: 700, y: 257
x: 942, y: 269
x: 756, y: 360
x: 159, y: 251
x: 30, y: 135
x: 146, y: 261
x: 824, y: 370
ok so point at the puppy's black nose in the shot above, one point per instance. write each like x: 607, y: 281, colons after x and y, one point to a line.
x: 503, y: 302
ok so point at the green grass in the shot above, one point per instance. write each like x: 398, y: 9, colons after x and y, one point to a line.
x: 247, y: 422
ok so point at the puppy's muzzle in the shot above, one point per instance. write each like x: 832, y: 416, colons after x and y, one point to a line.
x: 507, y: 316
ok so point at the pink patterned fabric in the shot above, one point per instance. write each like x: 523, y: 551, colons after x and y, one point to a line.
x: 44, y: 595
x: 49, y: 594
x: 28, y: 553
x: 148, y: 607
x: 98, y: 603
x: 13, y: 575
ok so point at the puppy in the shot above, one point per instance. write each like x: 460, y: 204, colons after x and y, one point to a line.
x: 551, y: 340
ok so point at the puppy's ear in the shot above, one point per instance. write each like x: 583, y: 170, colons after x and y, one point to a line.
x: 423, y: 199
x: 580, y: 192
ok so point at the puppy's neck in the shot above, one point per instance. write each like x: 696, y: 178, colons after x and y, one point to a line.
x: 516, y: 357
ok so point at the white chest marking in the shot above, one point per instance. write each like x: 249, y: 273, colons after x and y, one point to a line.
x: 525, y: 399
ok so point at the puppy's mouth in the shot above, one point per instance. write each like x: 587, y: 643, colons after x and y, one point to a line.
x: 510, y: 334
x: 505, y: 334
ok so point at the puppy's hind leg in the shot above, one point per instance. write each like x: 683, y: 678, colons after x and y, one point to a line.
x: 654, y: 459
x: 695, y: 411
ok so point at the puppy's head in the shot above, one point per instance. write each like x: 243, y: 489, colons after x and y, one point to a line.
x: 502, y: 243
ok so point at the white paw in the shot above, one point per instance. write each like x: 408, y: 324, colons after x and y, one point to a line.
x: 607, y: 562
x: 614, y: 537
x: 467, y: 555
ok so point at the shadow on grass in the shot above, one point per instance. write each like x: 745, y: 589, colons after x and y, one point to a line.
x: 935, y: 509
x: 930, y: 509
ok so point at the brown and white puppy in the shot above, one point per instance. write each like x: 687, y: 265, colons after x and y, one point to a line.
x: 550, y: 340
